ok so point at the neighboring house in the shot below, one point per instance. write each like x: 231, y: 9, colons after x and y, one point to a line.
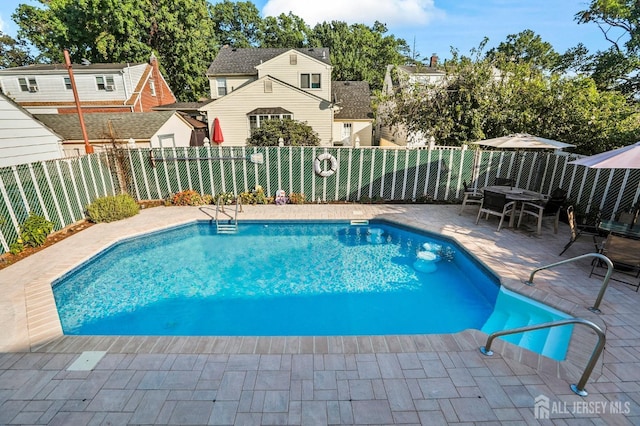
x: 191, y: 111
x: 46, y: 89
x: 249, y: 86
x: 162, y: 129
x: 23, y: 139
x: 405, y: 77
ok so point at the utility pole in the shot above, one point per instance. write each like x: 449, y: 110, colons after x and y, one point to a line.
x: 87, y: 146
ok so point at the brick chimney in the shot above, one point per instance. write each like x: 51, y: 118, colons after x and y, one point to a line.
x: 434, y: 61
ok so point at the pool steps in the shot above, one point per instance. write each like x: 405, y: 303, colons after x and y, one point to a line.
x: 513, y: 312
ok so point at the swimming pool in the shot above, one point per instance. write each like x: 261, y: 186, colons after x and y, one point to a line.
x: 278, y: 278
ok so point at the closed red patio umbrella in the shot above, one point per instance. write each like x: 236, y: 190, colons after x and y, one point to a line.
x: 217, y: 132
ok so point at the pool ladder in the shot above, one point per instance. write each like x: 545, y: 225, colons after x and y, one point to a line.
x: 230, y: 225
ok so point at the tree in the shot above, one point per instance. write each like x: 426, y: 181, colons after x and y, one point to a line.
x: 484, y: 98
x: 237, y: 24
x: 179, y: 32
x: 359, y: 52
x: 528, y: 47
x: 292, y: 132
x: 619, y: 21
x: 13, y: 53
x: 285, y: 31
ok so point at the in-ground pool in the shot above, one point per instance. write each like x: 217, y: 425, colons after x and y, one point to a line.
x: 279, y: 278
x: 275, y: 278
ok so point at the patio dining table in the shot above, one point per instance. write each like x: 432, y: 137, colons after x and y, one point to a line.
x: 620, y: 228
x: 518, y: 195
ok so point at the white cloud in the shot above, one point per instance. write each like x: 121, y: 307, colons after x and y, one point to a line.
x: 390, y: 12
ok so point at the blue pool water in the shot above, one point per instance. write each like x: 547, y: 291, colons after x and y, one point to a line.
x: 278, y: 279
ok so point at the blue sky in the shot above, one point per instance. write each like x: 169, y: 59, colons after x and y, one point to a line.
x: 435, y: 25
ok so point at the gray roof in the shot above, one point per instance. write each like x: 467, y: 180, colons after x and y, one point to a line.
x: 244, y: 61
x: 79, y: 68
x: 353, y: 98
x: 182, y: 106
x: 137, y: 125
x: 422, y: 69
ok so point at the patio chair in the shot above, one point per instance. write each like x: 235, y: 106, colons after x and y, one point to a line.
x: 502, y: 181
x: 624, y: 253
x: 494, y: 203
x: 549, y: 208
x: 576, y: 230
x: 471, y: 196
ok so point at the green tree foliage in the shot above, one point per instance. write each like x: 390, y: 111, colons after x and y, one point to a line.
x: 237, y: 24
x: 13, y: 53
x: 359, y: 52
x: 617, y: 67
x: 292, y: 132
x: 285, y: 31
x: 486, y: 97
x: 179, y: 32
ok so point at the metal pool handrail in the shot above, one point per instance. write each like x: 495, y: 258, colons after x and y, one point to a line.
x: 605, y: 283
x: 579, y: 388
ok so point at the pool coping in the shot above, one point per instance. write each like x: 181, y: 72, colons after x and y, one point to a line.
x: 44, y: 332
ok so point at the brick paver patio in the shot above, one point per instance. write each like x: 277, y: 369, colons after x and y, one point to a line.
x: 420, y: 379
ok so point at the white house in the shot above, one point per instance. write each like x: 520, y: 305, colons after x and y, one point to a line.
x: 23, y: 139
x: 162, y: 129
x: 249, y: 86
x: 46, y: 88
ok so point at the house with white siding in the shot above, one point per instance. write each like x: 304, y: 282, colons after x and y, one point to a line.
x: 159, y: 129
x: 251, y: 85
x: 23, y: 139
x: 47, y: 89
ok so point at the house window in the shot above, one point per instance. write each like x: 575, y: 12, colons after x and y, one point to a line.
x: 256, y: 120
x: 67, y: 83
x: 28, y: 84
x: 293, y: 59
x: 310, y: 81
x: 105, y: 83
x: 167, y: 141
x: 346, y: 132
x: 222, y: 86
x: 152, y: 88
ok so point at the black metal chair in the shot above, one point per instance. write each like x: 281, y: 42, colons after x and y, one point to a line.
x: 501, y: 181
x: 624, y: 253
x: 576, y: 230
x: 471, y: 196
x: 494, y: 203
x: 550, y: 208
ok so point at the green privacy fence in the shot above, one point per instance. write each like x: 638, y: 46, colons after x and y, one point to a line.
x: 60, y: 190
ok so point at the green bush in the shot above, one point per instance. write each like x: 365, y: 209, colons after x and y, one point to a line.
x: 112, y: 208
x: 34, y: 230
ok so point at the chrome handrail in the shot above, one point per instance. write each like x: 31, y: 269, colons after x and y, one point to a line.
x: 576, y: 388
x: 605, y: 283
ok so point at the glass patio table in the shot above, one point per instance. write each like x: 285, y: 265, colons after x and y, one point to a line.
x: 620, y: 228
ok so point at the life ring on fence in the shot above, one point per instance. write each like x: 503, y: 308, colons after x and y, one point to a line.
x: 317, y: 164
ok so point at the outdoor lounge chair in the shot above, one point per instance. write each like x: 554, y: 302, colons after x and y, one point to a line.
x: 550, y: 208
x: 624, y: 253
x: 576, y: 230
x: 471, y: 196
x: 494, y: 203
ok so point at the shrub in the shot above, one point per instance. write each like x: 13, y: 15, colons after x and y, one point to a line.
x: 112, y: 208
x: 188, y: 197
x: 296, y: 198
x: 292, y: 132
x: 227, y: 198
x: 33, y: 233
x: 255, y: 196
